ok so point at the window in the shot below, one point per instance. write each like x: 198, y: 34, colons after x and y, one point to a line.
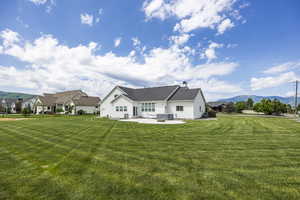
x: 148, y: 107
x: 116, y: 95
x: 200, y: 109
x: 179, y: 108
x: 121, y: 108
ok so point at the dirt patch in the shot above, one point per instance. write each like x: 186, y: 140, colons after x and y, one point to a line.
x: 13, y: 119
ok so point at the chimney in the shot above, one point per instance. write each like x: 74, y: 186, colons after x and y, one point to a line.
x: 184, y: 83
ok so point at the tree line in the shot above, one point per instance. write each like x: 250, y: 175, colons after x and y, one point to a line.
x: 266, y: 106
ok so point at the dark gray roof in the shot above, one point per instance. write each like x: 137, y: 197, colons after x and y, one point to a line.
x: 217, y: 104
x: 87, y: 101
x: 184, y: 93
x: 173, y: 93
x: 149, y: 94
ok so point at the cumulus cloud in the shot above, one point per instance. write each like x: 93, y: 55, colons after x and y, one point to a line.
x: 210, y: 52
x: 272, y: 81
x: 136, y: 41
x: 180, y: 39
x: 282, y: 67
x: 38, y: 2
x: 52, y: 66
x: 117, y: 41
x: 225, y: 25
x: 193, y: 14
x: 87, y: 19
x: 9, y: 37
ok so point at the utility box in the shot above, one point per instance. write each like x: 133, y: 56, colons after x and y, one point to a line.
x: 165, y: 116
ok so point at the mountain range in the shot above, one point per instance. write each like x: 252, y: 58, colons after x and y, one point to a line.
x: 286, y: 100
x: 14, y: 95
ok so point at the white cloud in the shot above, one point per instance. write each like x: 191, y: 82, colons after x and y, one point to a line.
x: 87, y: 19
x: 193, y: 14
x: 117, y: 41
x: 272, y: 81
x: 53, y: 66
x: 136, y: 41
x: 180, y: 39
x: 210, y: 52
x: 9, y: 37
x: 290, y: 94
x: 50, y: 6
x: 282, y: 68
x: 225, y: 25
x: 38, y: 2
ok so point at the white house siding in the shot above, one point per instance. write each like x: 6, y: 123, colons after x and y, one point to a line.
x: 199, y: 106
x: 188, y: 109
x: 160, y: 108
x: 39, y: 109
x: 107, y: 109
x: 87, y: 109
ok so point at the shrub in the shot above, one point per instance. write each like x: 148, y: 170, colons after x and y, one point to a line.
x: 80, y: 112
x: 212, y: 113
x: 240, y: 106
x: 26, y: 112
x: 59, y: 110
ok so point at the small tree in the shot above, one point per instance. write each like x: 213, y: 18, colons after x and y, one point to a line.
x: 258, y: 107
x: 26, y: 112
x: 240, y: 106
x: 250, y: 103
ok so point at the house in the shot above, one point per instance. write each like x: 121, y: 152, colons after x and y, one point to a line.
x: 28, y: 103
x: 66, y: 102
x: 9, y: 105
x: 181, y: 102
x: 219, y: 106
x: 89, y: 105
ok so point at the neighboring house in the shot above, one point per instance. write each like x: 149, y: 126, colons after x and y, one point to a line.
x: 9, y: 105
x: 64, y: 102
x: 89, y: 105
x: 218, y: 106
x: 29, y: 103
x: 181, y: 102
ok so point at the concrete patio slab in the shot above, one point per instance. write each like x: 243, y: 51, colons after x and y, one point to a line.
x: 153, y: 121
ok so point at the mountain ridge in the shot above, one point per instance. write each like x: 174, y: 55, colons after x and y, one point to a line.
x: 14, y: 95
x: 286, y: 100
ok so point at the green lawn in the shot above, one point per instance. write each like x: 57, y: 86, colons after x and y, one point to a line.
x: 87, y: 158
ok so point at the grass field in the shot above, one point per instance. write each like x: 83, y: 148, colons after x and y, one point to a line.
x: 87, y: 158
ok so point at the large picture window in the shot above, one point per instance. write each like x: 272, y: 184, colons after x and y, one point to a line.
x: 148, y: 107
x: 179, y: 108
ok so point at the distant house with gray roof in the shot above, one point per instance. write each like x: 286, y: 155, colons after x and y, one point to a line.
x: 67, y: 102
x: 181, y: 102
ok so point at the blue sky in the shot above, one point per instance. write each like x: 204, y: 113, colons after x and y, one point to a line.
x: 226, y: 47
